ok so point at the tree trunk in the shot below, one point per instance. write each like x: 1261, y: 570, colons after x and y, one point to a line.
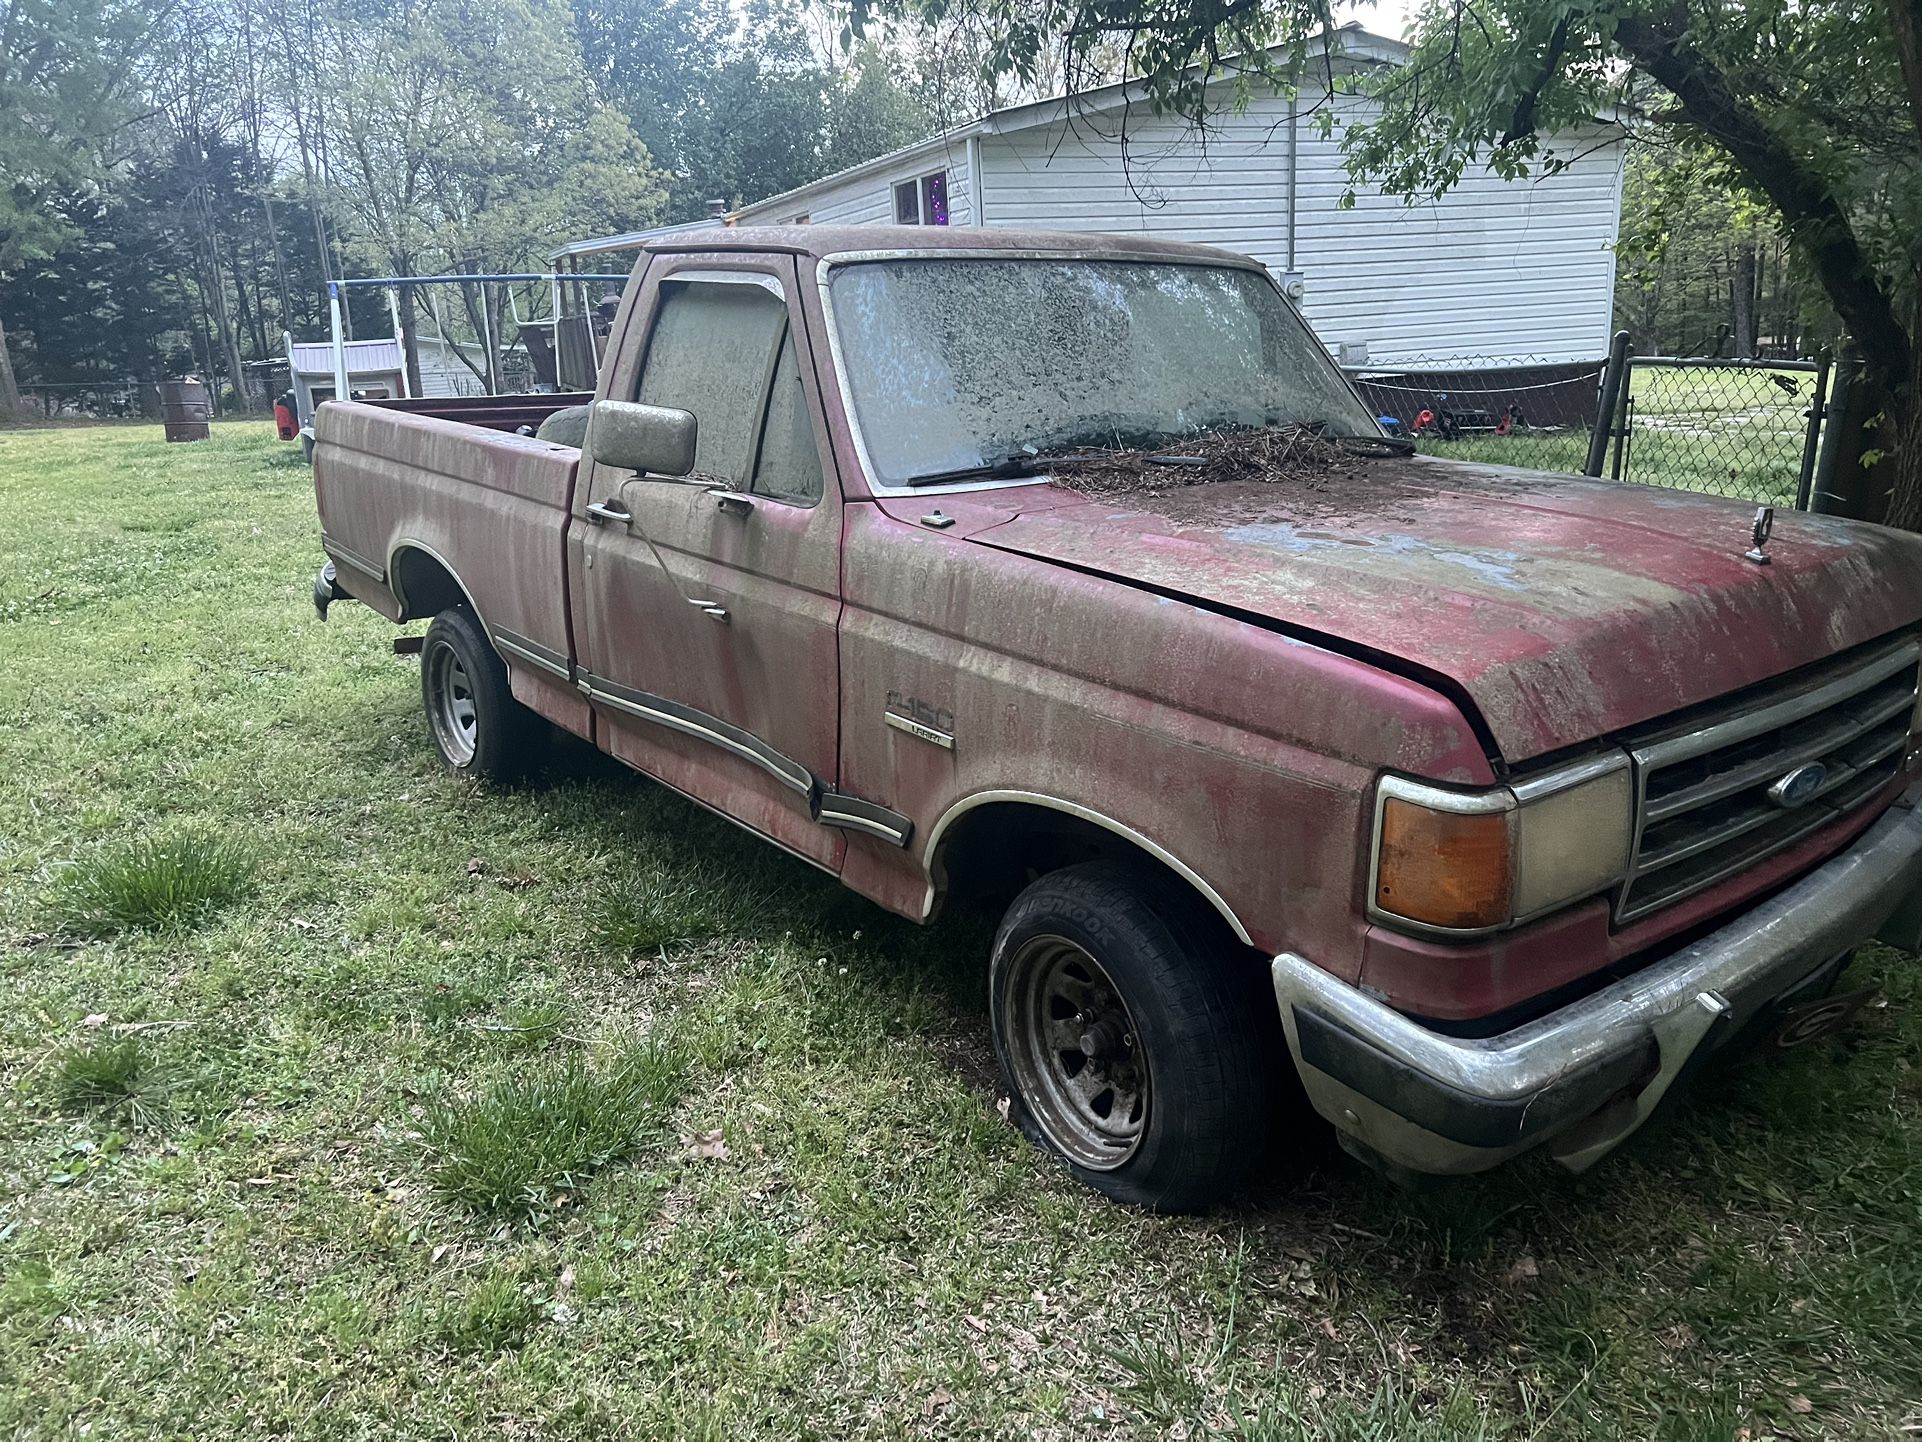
x: 1815, y: 216
x: 216, y: 291
x: 10, y: 406
x: 409, y: 337
x: 1741, y: 310
x: 229, y: 341
x: 491, y: 301
x: 1902, y: 434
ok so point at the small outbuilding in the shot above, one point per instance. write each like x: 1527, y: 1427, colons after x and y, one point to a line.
x: 376, y: 370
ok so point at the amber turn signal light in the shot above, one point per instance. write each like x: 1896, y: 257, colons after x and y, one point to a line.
x: 1444, y: 868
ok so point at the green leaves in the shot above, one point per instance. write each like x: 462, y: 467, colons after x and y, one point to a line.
x: 62, y: 96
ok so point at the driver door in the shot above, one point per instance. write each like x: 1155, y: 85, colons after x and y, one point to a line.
x: 708, y: 604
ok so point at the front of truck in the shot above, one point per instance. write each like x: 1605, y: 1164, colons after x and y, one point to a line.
x: 1691, y: 799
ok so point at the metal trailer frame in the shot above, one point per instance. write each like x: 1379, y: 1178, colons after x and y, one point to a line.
x: 337, y: 288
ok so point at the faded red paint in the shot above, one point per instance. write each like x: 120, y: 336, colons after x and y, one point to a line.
x: 1222, y: 671
x: 1564, y: 608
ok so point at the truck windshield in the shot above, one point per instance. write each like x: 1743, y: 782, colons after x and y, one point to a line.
x: 964, y: 367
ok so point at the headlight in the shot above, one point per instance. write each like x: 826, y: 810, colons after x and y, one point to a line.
x: 1473, y: 861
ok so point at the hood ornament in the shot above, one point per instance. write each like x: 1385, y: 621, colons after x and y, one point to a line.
x: 1764, y: 524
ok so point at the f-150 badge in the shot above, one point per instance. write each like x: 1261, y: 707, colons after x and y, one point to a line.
x: 916, y: 717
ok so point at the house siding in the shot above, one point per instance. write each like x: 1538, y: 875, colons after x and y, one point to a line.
x: 1504, y: 271
x: 1516, y: 270
x: 867, y: 198
x: 1494, y: 270
x: 1137, y: 174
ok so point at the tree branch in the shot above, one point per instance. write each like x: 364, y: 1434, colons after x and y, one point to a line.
x: 1522, y: 124
x: 1814, y: 217
x: 1905, y: 20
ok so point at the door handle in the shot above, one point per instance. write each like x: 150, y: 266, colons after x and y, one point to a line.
x: 602, y: 512
x: 732, y: 502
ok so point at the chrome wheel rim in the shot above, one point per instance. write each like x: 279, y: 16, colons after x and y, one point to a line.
x: 1075, y: 1055
x: 456, y: 722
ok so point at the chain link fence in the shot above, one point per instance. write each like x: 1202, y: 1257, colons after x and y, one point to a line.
x: 1533, y: 413
x: 1737, y: 428
x: 1747, y: 429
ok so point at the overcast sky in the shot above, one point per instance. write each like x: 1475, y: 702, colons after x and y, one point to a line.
x: 1384, y: 18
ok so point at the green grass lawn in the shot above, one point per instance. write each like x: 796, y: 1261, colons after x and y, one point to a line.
x: 346, y: 1100
x: 1734, y: 432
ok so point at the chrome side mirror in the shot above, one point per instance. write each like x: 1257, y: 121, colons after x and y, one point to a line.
x: 653, y: 440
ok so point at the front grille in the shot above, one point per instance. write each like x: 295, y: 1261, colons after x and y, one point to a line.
x: 1703, y: 809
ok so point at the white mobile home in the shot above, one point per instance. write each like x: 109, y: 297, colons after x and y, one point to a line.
x: 1499, y: 271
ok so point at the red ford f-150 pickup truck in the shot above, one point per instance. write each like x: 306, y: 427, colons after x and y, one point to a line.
x: 1483, y: 801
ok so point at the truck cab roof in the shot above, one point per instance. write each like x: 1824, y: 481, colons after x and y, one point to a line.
x: 825, y: 241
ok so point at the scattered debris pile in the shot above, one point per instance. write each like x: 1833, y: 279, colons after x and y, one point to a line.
x: 1296, y: 455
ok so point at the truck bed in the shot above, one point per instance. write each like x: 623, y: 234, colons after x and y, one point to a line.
x: 400, y: 489
x: 494, y: 413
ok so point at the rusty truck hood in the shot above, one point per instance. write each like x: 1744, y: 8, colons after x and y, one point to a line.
x: 1562, y: 609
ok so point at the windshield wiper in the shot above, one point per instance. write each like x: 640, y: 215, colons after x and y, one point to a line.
x: 1005, y: 468
x: 1375, y: 445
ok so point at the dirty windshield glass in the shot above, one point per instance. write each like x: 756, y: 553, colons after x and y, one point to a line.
x: 961, y: 364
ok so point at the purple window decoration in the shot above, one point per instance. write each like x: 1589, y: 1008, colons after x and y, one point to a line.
x: 934, y: 198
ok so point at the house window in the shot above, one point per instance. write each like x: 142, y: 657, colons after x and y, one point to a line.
x: 923, y: 201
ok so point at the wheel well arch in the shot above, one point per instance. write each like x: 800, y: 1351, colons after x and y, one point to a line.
x: 991, y: 843
x: 424, y: 584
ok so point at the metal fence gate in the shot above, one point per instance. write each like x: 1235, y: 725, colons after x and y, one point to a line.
x: 1738, y: 428
x: 1749, y: 429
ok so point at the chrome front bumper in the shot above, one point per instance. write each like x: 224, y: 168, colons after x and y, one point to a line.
x: 1582, y: 1078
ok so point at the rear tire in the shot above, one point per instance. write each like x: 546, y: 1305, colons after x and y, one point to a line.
x: 480, y: 730
x: 1136, y: 1045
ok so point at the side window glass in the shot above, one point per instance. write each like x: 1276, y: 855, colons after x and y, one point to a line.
x: 709, y: 353
x: 789, y: 467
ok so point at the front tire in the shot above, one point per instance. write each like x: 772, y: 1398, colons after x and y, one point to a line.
x: 1135, y: 1044
x: 480, y: 730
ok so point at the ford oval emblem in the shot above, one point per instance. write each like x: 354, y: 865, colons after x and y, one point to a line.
x: 1799, y: 785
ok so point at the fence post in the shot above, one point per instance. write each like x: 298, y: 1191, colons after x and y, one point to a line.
x: 1614, y: 381
x: 1818, y: 409
x: 1822, y: 496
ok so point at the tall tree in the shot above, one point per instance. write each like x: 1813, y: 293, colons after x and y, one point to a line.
x: 1814, y: 110
x: 743, y: 102
x: 1692, y: 248
x: 64, y: 72
x: 466, y: 137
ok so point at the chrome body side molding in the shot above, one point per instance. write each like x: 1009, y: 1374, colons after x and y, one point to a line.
x: 1054, y: 803
x: 857, y: 815
x: 685, y: 719
x: 351, y: 558
x: 825, y: 804
x: 520, y: 648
